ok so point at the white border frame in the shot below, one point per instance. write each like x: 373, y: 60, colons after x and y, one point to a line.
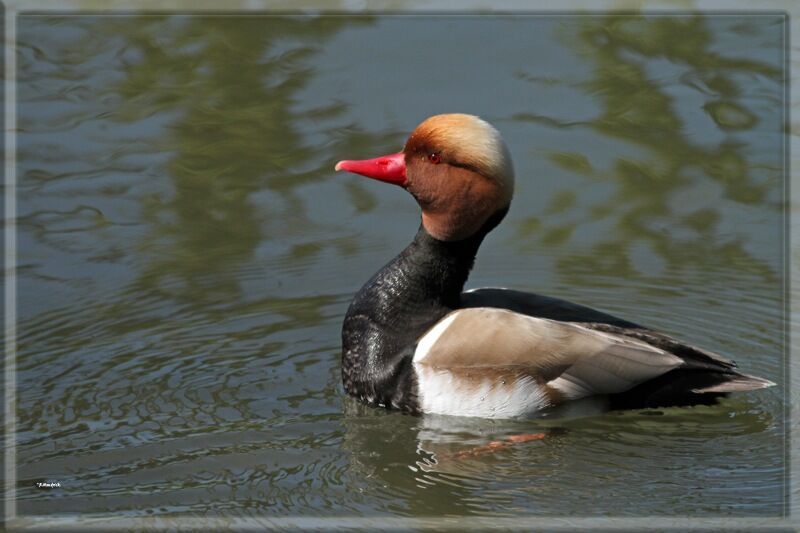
x: 102, y: 522
x: 10, y: 287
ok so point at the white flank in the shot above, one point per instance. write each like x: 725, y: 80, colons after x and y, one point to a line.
x: 482, y: 288
x: 429, y: 339
x: 443, y: 392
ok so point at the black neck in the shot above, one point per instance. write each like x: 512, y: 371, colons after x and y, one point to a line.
x: 396, y: 306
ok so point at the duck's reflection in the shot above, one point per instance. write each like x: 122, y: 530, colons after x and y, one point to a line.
x: 464, y: 453
x: 435, y: 443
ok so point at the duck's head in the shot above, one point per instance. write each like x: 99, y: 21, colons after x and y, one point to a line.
x: 458, y: 169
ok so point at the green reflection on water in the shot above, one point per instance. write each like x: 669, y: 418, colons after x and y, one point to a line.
x: 230, y: 84
x: 208, y: 362
x: 637, y: 108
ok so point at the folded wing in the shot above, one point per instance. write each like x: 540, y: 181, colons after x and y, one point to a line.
x: 568, y: 357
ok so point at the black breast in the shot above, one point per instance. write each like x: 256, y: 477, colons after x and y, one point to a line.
x: 392, y: 311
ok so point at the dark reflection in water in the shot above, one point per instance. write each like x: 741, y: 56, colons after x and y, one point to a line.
x: 186, y: 255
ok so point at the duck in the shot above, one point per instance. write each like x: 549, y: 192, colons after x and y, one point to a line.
x: 413, y: 340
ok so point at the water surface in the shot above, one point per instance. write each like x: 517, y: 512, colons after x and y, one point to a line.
x: 186, y: 256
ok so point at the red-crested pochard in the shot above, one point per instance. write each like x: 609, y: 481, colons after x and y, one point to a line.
x: 412, y: 340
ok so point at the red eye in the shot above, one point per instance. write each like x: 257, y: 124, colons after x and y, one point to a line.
x: 434, y: 158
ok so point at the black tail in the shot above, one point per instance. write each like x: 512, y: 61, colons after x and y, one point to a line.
x: 684, y: 386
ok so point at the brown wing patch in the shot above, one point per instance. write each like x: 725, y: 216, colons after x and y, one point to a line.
x: 493, y: 338
x: 487, y: 339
